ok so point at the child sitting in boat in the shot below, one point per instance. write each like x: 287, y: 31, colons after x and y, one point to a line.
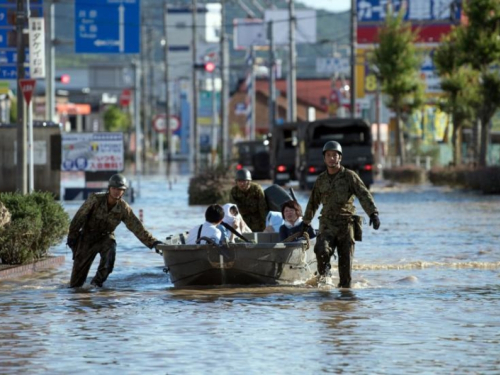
x: 292, y: 214
x: 234, y: 218
x: 210, y: 228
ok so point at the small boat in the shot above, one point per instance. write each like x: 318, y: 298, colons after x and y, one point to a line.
x: 264, y: 261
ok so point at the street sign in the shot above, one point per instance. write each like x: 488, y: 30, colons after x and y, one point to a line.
x: 37, y: 47
x: 125, y: 97
x: 27, y: 88
x: 107, y: 26
x: 160, y: 125
x: 8, y: 36
x: 10, y: 72
x: 92, y: 152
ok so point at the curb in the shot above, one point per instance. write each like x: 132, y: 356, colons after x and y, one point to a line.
x: 10, y: 272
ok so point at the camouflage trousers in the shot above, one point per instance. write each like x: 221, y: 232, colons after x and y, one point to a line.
x: 84, y: 257
x: 325, y: 248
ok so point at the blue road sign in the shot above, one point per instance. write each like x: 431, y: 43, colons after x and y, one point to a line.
x: 107, y: 26
x: 8, y: 37
x: 10, y: 72
x: 9, y: 56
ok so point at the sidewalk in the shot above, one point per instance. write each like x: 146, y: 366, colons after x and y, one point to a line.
x: 13, y: 271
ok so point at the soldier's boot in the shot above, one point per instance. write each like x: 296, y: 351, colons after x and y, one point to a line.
x: 324, y: 266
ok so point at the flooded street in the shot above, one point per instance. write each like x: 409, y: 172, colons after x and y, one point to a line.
x: 425, y: 300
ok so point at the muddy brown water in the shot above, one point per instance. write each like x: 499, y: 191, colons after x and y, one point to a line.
x: 425, y: 300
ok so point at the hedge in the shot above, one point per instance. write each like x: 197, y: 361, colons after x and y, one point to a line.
x: 37, y: 223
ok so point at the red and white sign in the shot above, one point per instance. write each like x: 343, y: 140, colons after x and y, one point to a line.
x: 27, y: 87
x: 160, y: 125
x: 125, y: 97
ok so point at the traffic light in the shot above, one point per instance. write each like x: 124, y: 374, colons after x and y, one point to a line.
x: 208, y: 66
x: 63, y: 78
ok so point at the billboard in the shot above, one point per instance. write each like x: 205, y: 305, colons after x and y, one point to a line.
x: 92, y: 152
x: 432, y: 18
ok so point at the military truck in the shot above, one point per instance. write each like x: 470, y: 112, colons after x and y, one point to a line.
x: 353, y: 134
x: 254, y: 156
x: 283, y: 152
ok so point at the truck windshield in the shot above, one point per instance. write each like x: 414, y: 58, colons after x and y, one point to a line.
x: 346, y: 136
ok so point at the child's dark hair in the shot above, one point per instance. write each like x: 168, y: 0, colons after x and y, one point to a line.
x: 293, y: 205
x: 214, y: 213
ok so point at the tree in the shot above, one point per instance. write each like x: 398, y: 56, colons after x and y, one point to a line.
x: 397, y: 64
x: 460, y: 86
x: 480, y: 47
x: 115, y: 120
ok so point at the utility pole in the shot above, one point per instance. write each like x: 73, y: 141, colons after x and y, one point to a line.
x: 167, y: 93
x: 272, y: 77
x: 152, y: 97
x: 354, y: 37
x: 144, y: 92
x: 215, y: 117
x: 292, y: 92
x: 50, y: 92
x: 22, y: 170
x: 137, y: 121
x: 194, y: 106
x: 224, y: 94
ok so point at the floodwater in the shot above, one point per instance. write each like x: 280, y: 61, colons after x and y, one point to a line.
x: 425, y: 301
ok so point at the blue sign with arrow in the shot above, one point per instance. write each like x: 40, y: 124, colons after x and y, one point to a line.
x: 107, y: 26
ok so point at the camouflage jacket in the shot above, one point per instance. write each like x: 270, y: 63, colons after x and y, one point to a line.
x: 336, y: 193
x: 252, y: 205
x: 103, y: 222
x: 4, y: 215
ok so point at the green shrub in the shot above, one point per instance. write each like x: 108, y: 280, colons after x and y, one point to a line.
x: 211, y: 186
x: 485, y: 179
x: 37, y: 223
x: 450, y: 176
x: 405, y: 174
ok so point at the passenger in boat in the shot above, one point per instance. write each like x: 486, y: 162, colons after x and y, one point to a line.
x: 250, y: 199
x: 91, y: 232
x: 210, y: 228
x: 339, y: 227
x: 292, y: 215
x: 274, y: 221
x: 233, y: 217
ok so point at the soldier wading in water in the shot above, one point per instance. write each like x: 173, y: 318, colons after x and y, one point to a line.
x: 335, y: 189
x: 91, y: 232
x: 251, y: 200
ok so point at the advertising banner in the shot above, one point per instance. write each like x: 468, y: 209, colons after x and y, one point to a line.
x: 92, y: 152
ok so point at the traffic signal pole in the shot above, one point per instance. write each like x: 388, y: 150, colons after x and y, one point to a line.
x: 354, y: 37
x: 167, y: 93
x: 194, y: 103
x: 22, y: 170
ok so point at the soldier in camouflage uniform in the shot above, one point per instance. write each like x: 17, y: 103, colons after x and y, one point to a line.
x: 251, y: 201
x: 335, y: 189
x: 4, y: 215
x: 91, y: 232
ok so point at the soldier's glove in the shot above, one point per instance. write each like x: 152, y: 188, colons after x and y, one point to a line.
x: 305, y: 229
x: 374, y: 220
x: 155, y: 244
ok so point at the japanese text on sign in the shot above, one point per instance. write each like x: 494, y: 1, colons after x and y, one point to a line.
x: 92, y: 152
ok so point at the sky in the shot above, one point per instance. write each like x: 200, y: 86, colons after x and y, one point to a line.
x: 330, y: 5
